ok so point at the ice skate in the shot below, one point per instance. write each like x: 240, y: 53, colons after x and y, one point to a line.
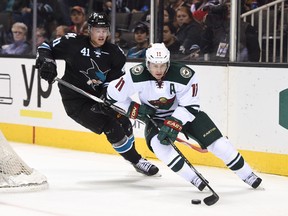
x: 197, y: 182
x: 145, y: 167
x: 253, y: 180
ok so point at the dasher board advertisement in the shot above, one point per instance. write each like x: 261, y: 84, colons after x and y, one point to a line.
x: 5, y: 93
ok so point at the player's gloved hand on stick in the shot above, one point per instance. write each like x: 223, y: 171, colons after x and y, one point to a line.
x: 103, y: 96
x: 47, y: 68
x: 141, y: 112
x: 103, y: 108
x: 169, y: 131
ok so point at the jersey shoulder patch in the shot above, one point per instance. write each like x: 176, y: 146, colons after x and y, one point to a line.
x: 186, y: 72
x: 179, y: 73
x: 139, y: 73
x: 137, y: 69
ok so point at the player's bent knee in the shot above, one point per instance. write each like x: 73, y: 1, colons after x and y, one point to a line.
x: 114, y: 132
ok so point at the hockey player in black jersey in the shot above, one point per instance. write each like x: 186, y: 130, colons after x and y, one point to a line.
x: 91, y: 63
x: 168, y: 92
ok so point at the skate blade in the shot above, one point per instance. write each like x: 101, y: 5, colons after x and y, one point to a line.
x: 156, y: 175
x: 149, y: 176
x: 260, y: 187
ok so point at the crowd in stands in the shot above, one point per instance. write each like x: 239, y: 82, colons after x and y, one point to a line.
x: 20, y: 44
x: 192, y: 29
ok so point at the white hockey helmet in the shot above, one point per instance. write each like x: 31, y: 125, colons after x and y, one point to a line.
x: 157, y: 53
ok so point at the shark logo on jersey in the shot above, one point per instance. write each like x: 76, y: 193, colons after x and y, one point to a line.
x: 94, y: 75
x: 97, y: 52
x: 163, y: 103
x: 137, y: 70
x: 185, y: 72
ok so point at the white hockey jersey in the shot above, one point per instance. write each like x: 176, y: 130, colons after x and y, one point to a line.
x: 177, y: 91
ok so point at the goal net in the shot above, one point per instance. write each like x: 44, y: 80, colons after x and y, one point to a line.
x: 15, y: 174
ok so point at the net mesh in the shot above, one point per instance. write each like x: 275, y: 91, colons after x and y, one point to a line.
x: 15, y: 174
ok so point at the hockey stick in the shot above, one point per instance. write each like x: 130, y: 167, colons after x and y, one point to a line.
x: 210, y: 200
x: 99, y: 100
x: 196, y: 148
x: 118, y: 109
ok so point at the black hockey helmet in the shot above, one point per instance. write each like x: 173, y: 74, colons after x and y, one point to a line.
x: 98, y: 20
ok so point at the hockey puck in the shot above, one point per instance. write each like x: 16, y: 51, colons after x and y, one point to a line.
x: 196, y: 201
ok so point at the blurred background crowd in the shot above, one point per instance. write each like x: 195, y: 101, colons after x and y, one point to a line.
x: 194, y: 30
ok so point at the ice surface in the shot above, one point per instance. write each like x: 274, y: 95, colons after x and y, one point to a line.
x: 86, y: 184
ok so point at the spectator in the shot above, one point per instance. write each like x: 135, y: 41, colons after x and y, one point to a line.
x: 20, y: 46
x: 61, y: 30
x: 122, y: 43
x: 169, y: 38
x: 41, y: 36
x: 78, y: 19
x: 168, y: 16
x: 141, y: 36
x: 216, y: 38
x: 189, y: 30
x: 107, y: 6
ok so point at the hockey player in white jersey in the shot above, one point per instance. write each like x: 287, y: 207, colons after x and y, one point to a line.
x: 168, y: 92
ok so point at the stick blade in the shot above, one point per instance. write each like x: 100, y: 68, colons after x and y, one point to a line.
x: 211, y: 199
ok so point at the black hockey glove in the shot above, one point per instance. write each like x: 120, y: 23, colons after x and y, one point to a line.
x: 102, y: 95
x: 169, y: 131
x: 102, y: 108
x: 47, y: 68
x: 137, y: 111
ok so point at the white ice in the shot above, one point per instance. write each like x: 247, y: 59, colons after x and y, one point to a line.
x: 86, y: 184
